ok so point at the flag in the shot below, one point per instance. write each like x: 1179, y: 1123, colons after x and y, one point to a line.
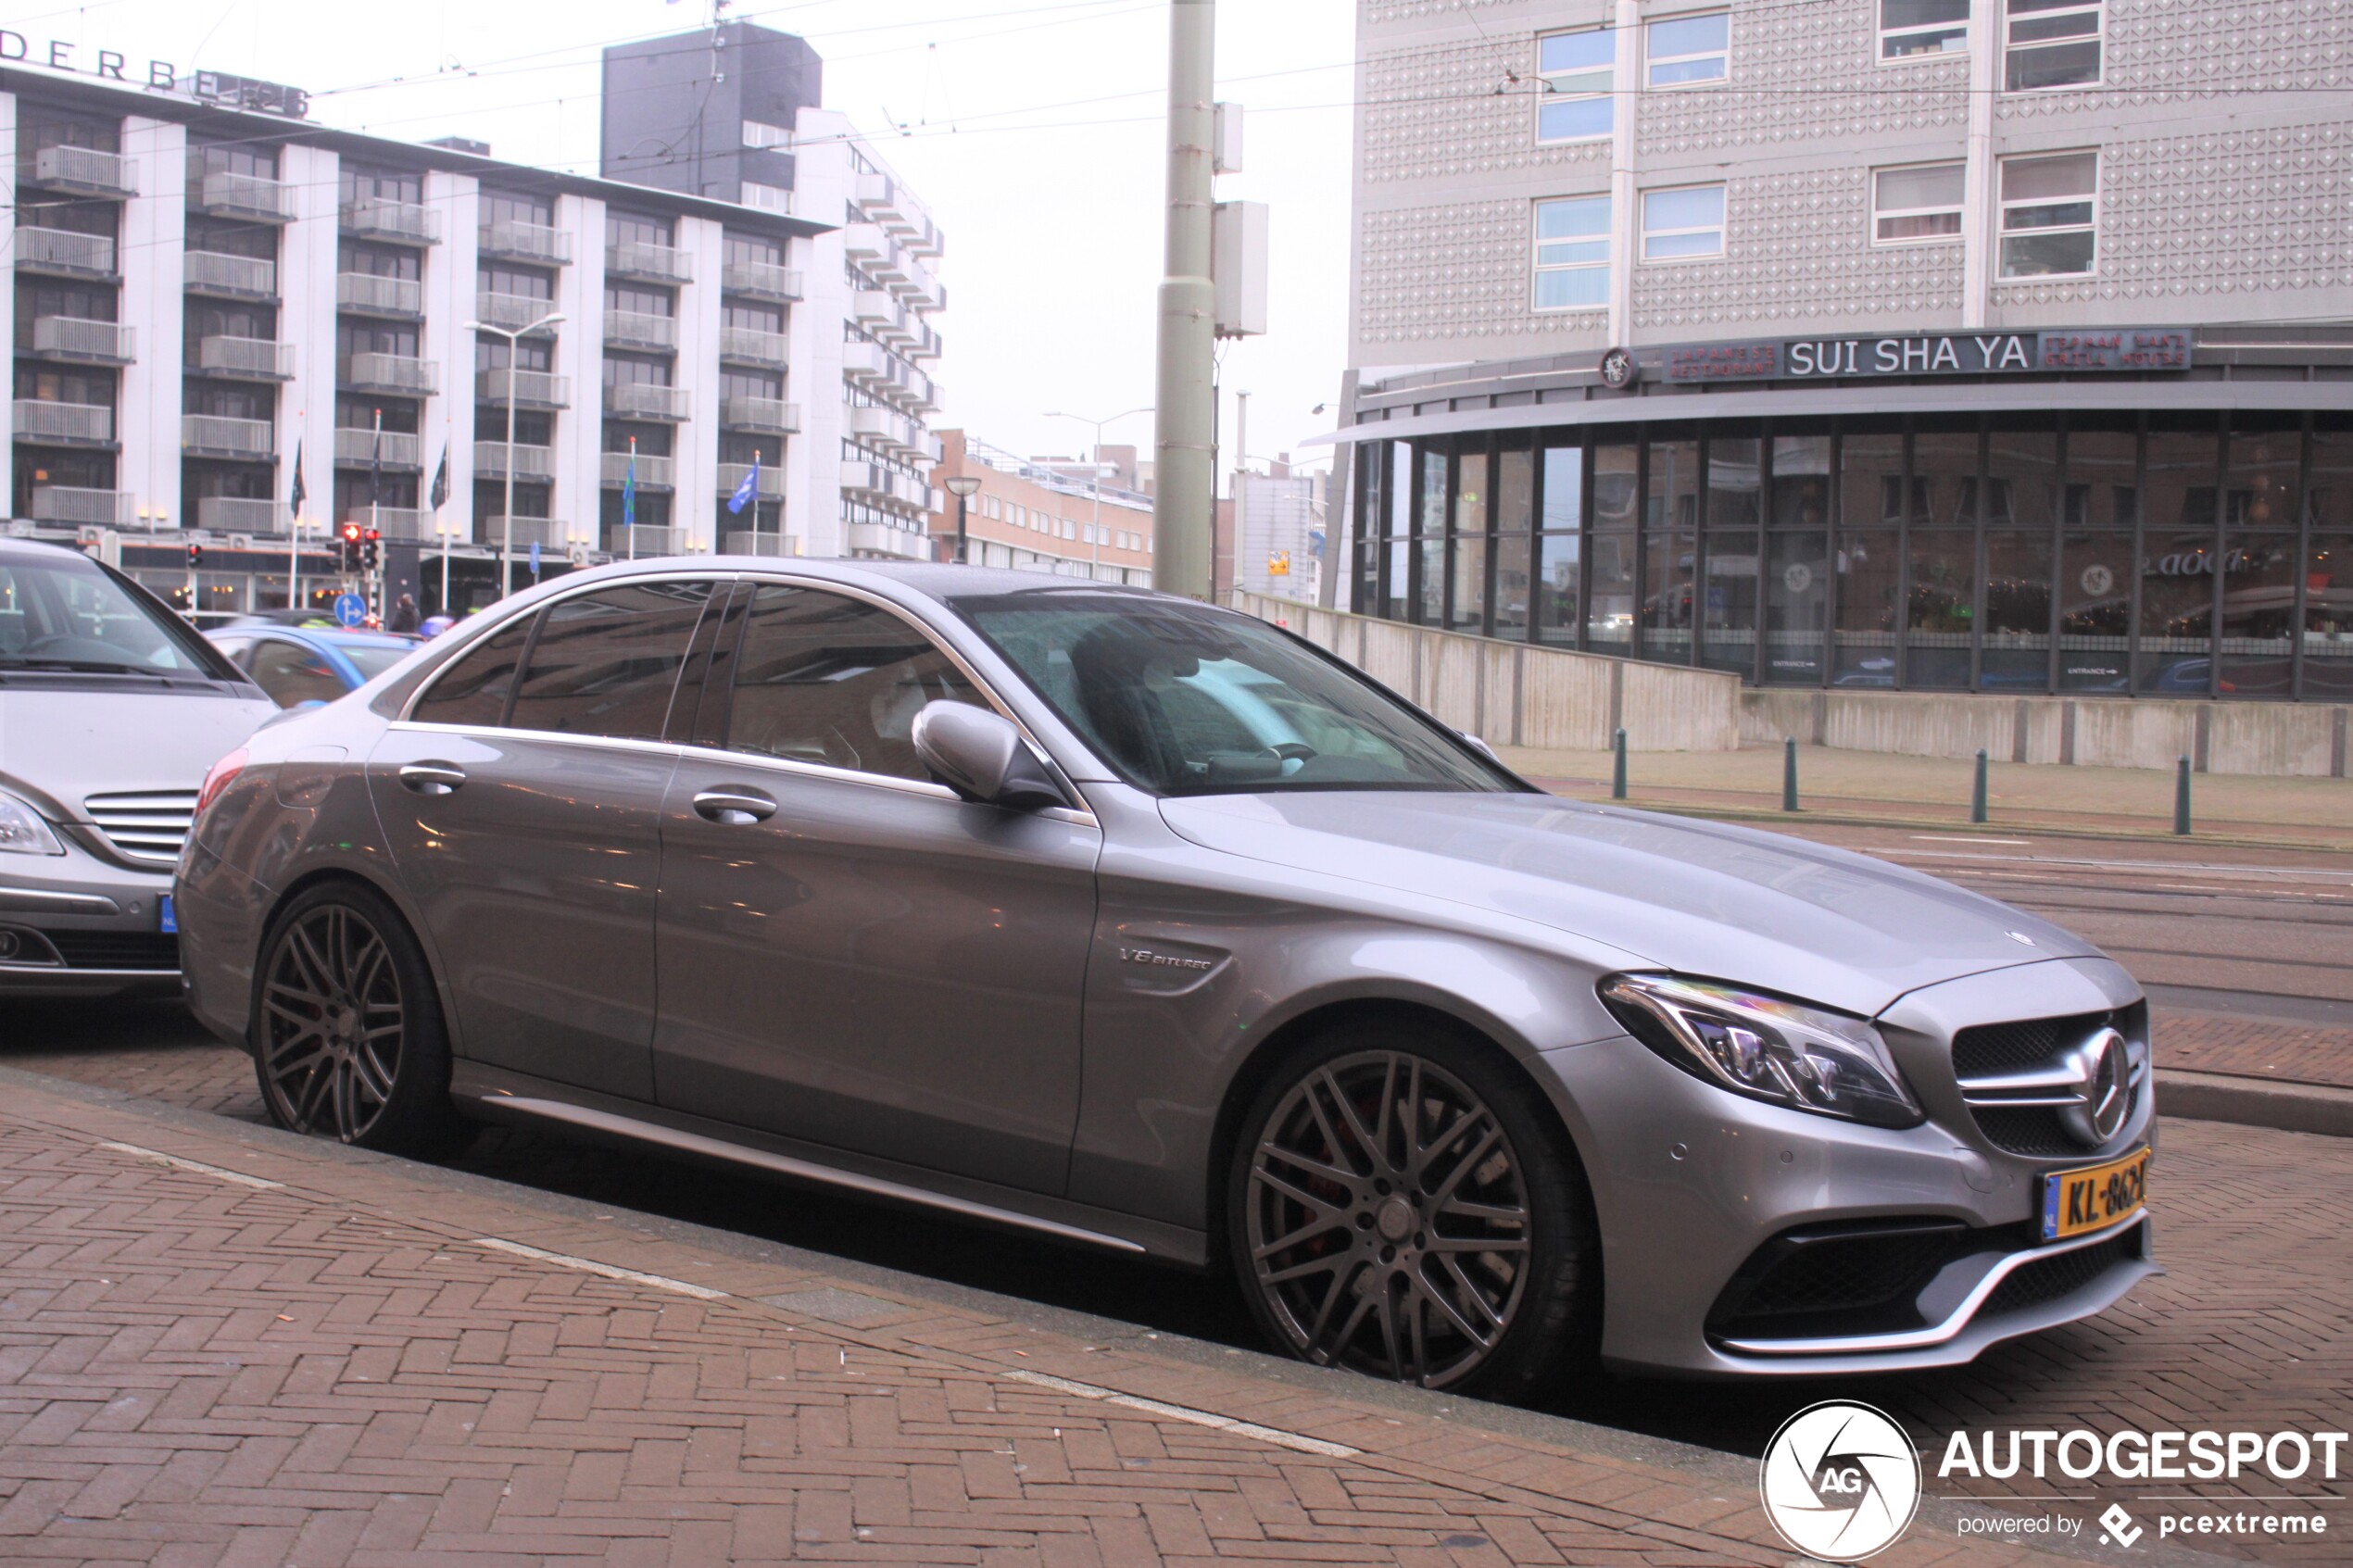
x: 629, y: 492
x: 748, y: 491
x: 294, y: 495
x: 441, y: 480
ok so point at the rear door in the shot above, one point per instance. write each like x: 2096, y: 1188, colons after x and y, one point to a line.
x: 522, y: 798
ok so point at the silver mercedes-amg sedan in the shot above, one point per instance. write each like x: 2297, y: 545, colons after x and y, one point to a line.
x: 1142, y: 924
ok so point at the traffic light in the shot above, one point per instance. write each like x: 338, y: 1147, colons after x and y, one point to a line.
x: 350, y: 547
x: 367, y: 551
x: 196, y: 556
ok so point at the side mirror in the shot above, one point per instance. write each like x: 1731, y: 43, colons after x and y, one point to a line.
x: 980, y: 755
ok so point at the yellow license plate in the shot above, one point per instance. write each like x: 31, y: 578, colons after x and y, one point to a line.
x: 2095, y: 1197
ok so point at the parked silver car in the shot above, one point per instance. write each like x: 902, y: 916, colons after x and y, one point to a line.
x: 111, y: 708
x: 1140, y: 923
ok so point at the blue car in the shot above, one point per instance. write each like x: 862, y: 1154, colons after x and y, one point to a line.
x: 300, y: 664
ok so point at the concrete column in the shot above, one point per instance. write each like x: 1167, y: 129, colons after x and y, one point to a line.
x: 445, y: 422
x: 698, y: 370
x: 1183, y: 521
x: 155, y: 225
x: 1626, y: 224
x: 580, y: 295
x: 306, y: 268
x: 1981, y: 242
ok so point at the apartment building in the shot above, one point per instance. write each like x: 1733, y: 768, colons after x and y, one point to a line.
x: 1072, y: 518
x: 206, y: 290
x: 1957, y: 345
x: 734, y: 113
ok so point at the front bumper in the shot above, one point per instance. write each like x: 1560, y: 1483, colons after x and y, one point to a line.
x: 74, y: 925
x: 1692, y: 1184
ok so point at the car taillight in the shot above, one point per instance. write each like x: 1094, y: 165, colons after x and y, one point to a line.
x: 216, y: 781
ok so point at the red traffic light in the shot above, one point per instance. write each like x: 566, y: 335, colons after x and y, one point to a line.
x: 351, y: 531
x: 373, y: 535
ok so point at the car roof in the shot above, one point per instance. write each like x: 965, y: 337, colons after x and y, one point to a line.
x: 931, y: 578
x: 332, y: 636
x: 42, y: 550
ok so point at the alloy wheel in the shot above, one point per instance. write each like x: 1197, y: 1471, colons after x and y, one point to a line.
x: 333, y: 1023
x: 1388, y: 1220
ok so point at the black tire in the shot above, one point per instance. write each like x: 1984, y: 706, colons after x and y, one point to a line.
x: 346, y: 1036
x: 1354, y: 1246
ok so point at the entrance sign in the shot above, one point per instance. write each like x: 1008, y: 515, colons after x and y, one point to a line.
x: 2125, y: 349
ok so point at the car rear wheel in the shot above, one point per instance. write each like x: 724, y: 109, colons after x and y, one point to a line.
x: 1401, y: 1205
x: 347, y: 1034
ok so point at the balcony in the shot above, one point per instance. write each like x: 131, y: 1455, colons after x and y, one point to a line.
x: 530, y: 389
x: 62, y: 424
x: 640, y: 329
x: 643, y: 540
x: 880, y: 198
x: 878, y: 312
x: 86, y: 172
x: 882, y: 539
x: 240, y: 514
x: 229, y: 277
x: 399, y: 450
x: 213, y: 435
x: 60, y: 251
x: 395, y: 374
x: 772, y: 479
x: 405, y: 223
x: 525, y: 242
x: 514, y: 312
x: 544, y: 532
x: 639, y: 262
x: 246, y: 359
x: 87, y: 342
x: 637, y: 400
x: 760, y: 280
x: 761, y: 416
x: 744, y: 541
x: 867, y: 243
x: 410, y: 525
x: 365, y: 294
x: 535, y: 463
x: 223, y: 194
x: 750, y: 346
x: 882, y: 428
x: 653, y: 474
x: 64, y: 504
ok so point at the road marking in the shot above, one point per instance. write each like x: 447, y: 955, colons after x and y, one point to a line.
x: 1274, y: 1434
x: 1960, y: 838
x: 607, y: 1271
x: 198, y: 1166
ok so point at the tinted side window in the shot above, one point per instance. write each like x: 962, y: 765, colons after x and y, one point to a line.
x: 475, y: 690
x: 292, y: 673
x: 821, y: 678
x: 606, y: 663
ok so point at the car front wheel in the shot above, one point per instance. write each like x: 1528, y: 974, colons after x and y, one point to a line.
x: 1403, y: 1206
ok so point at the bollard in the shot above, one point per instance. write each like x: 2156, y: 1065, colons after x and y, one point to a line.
x: 2181, y: 798
x: 1618, y: 769
x: 1977, y: 794
x: 1788, y: 773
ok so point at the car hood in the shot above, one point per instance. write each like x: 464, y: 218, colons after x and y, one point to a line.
x: 1701, y: 898
x: 69, y: 744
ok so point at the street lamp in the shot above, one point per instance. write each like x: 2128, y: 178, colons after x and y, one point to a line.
x: 507, y: 519
x: 1095, y: 566
x: 962, y: 487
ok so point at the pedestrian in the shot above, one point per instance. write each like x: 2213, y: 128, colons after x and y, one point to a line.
x: 404, y: 616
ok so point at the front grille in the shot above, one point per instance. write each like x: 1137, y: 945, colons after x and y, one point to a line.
x: 148, y: 826
x: 1816, y: 1282
x: 2005, y: 1047
x: 1992, y: 1049
x: 116, y: 949
x: 2047, y: 1279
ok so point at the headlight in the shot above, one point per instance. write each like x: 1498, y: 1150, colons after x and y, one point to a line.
x: 1766, y: 1048
x: 22, y: 832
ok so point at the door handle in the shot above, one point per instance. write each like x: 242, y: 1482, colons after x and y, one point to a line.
x: 431, y: 778
x: 735, y: 807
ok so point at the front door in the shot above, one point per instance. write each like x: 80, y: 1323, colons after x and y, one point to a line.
x: 522, y: 799
x: 850, y: 955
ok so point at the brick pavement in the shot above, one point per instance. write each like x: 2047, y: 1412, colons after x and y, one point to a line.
x: 230, y: 1348
x: 2254, y: 1047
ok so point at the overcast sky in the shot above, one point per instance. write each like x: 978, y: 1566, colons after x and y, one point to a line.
x: 1032, y: 128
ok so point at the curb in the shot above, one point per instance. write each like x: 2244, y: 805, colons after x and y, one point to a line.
x: 1766, y: 816
x: 2254, y: 1102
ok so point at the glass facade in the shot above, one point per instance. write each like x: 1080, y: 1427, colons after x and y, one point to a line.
x: 2166, y: 553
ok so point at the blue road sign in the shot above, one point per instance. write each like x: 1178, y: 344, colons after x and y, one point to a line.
x: 350, y: 609
x: 534, y: 558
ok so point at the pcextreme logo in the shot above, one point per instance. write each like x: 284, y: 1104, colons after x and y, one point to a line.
x: 1840, y: 1481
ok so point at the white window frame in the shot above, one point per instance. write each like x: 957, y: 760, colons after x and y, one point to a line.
x: 766, y: 198
x: 1958, y: 208
x: 2002, y: 204
x: 2098, y: 35
x: 1888, y: 34
x: 1547, y: 94
x: 1538, y: 267
x: 1652, y: 62
x: 1644, y: 232
x: 760, y: 133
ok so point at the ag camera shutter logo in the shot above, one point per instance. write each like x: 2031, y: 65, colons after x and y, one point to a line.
x: 1840, y: 1481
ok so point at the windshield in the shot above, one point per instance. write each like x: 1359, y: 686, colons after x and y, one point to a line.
x: 1188, y: 700
x: 69, y: 615
x: 373, y: 659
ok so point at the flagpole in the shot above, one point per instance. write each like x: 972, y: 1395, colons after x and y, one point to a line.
x: 755, y: 500
x: 629, y: 500
x: 294, y: 530
x: 376, y: 494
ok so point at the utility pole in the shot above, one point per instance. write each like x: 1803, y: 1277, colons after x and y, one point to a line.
x: 1185, y: 486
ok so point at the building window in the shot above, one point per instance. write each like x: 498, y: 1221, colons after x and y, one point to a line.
x: 2049, y: 206
x: 2051, y: 44
x: 1919, y: 29
x: 1916, y: 204
x: 1577, y: 70
x: 758, y: 134
x: 766, y: 198
x: 1686, y: 51
x: 1572, y: 254
x: 1684, y: 224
